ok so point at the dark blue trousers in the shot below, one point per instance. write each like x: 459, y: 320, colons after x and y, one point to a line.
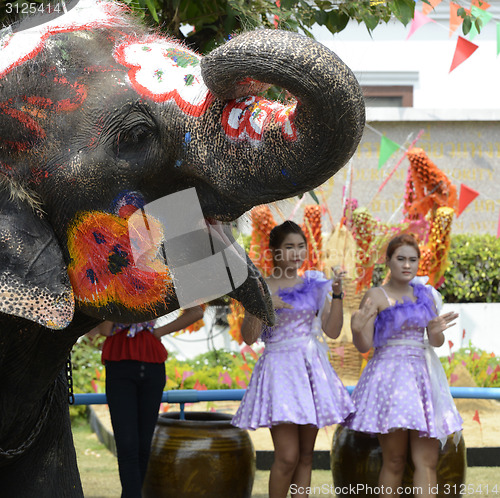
x: 134, y: 390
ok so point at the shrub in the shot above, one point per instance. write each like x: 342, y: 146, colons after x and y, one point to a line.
x: 88, y: 371
x: 473, y: 274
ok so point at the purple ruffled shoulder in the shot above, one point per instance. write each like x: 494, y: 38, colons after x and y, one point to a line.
x: 310, y: 293
x: 409, y: 313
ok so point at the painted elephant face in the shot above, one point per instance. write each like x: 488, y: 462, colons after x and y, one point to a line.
x: 99, y: 119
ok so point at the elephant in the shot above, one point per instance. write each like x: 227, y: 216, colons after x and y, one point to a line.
x: 99, y: 118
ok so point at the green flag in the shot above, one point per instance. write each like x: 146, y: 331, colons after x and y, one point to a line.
x: 498, y: 38
x: 387, y: 149
x: 485, y: 18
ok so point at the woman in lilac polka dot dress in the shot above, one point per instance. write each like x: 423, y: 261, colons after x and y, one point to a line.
x: 403, y: 395
x: 293, y: 389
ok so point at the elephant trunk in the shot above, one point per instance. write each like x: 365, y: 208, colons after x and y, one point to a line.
x: 281, y: 150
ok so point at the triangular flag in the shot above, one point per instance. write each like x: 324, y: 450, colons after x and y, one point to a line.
x: 476, y: 417
x: 455, y: 19
x: 498, y: 229
x: 387, y: 149
x: 417, y: 22
x: 467, y: 195
x: 480, y: 4
x: 426, y: 8
x: 485, y: 18
x: 498, y: 38
x: 463, y: 51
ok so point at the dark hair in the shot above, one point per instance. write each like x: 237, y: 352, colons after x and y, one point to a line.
x: 279, y: 233
x: 401, y: 240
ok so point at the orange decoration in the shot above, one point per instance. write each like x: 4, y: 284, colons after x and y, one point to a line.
x: 262, y: 224
x: 235, y: 319
x: 431, y: 187
x: 434, y: 254
x: 312, y: 231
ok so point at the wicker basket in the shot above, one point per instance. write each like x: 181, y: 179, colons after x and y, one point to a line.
x: 344, y: 357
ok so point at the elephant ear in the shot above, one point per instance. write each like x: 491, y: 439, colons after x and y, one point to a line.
x: 34, y: 283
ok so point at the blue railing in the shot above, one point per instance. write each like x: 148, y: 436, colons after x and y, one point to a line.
x: 184, y: 396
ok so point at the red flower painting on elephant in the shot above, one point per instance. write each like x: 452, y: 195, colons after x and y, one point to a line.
x: 164, y: 70
x: 247, y: 118
x: 105, y: 266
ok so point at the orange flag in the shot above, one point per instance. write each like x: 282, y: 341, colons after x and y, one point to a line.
x: 467, y: 195
x: 455, y: 19
x: 476, y: 418
x: 426, y: 8
x: 463, y: 51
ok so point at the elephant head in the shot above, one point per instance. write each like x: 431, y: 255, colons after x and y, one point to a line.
x: 99, y: 118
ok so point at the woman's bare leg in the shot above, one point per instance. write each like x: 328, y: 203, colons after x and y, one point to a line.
x: 425, y: 454
x: 302, y: 475
x: 394, y: 450
x: 286, y: 456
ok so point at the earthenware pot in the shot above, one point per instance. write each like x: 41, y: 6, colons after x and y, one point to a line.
x: 202, y: 456
x: 356, y: 459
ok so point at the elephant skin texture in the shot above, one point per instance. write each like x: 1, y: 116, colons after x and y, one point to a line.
x: 100, y: 119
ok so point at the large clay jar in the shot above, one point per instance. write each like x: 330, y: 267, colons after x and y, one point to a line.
x: 202, y: 456
x: 356, y: 459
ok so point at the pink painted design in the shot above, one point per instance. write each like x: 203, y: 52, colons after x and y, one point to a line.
x: 164, y: 70
x: 249, y: 117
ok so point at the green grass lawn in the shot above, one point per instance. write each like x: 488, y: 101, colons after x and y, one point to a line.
x: 99, y: 472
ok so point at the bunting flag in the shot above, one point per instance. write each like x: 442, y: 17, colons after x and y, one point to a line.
x: 467, y: 195
x: 485, y: 18
x: 498, y: 38
x: 388, y: 177
x: 480, y: 4
x: 427, y: 7
x: 418, y: 21
x: 387, y: 149
x: 455, y: 19
x: 463, y: 51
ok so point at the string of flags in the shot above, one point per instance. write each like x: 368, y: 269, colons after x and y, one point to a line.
x: 464, y: 47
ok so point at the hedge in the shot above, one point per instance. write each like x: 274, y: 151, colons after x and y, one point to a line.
x: 473, y: 274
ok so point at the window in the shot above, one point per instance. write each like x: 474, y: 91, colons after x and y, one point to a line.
x: 388, y: 96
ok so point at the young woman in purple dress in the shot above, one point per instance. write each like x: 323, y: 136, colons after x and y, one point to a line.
x: 403, y: 395
x: 294, y: 390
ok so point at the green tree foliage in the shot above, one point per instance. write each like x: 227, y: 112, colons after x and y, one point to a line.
x: 202, y: 24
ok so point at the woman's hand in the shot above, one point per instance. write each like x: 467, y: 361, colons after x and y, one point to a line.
x: 439, y: 324
x: 278, y: 303
x: 361, y: 317
x: 338, y: 275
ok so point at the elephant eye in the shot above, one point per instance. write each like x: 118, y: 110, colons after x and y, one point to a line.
x: 133, y: 139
